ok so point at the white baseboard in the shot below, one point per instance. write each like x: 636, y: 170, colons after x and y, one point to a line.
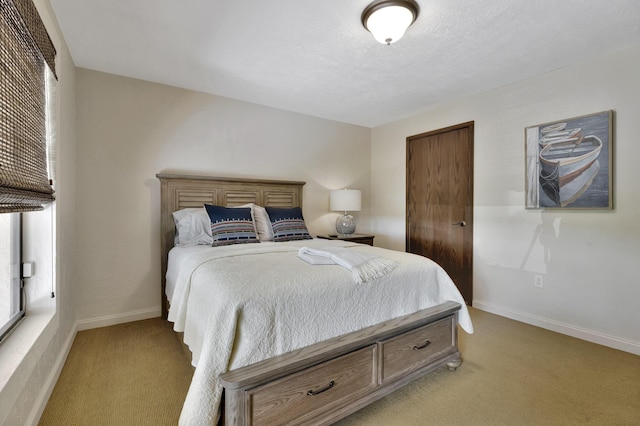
x: 118, y: 319
x: 560, y: 327
x: 41, y: 401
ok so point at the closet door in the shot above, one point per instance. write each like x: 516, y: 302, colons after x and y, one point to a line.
x: 440, y: 201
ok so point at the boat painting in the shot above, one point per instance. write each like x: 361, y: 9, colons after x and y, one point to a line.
x: 557, y: 127
x: 563, y: 161
x: 568, y: 163
x: 572, y: 135
x: 564, y: 195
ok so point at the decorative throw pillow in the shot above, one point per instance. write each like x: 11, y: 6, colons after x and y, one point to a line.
x: 288, y: 224
x: 231, y: 225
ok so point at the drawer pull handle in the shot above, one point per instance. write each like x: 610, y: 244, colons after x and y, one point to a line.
x: 417, y: 348
x: 326, y: 388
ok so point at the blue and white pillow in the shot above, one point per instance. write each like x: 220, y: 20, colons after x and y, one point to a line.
x: 288, y: 224
x: 231, y: 225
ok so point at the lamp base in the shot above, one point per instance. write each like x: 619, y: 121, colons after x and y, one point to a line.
x: 345, y: 224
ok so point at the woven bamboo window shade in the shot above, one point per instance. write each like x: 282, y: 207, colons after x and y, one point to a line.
x: 25, y: 50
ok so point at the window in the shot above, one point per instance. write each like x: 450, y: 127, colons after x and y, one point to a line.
x: 11, y: 300
x: 27, y: 57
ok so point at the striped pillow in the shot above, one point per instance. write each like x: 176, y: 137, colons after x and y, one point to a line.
x: 288, y: 224
x: 231, y: 225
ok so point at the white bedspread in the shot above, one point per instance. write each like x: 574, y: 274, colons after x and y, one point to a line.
x: 244, y: 303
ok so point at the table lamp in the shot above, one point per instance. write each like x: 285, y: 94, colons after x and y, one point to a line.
x: 345, y: 200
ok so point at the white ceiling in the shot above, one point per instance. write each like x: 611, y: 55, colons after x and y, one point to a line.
x: 314, y: 56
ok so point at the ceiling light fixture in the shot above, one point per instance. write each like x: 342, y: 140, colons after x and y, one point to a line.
x: 388, y: 20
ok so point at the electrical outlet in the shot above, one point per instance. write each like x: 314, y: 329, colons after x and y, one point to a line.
x: 538, y: 281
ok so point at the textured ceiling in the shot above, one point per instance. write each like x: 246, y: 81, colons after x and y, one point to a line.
x: 314, y: 56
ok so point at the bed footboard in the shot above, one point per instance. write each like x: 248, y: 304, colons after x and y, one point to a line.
x: 325, y: 382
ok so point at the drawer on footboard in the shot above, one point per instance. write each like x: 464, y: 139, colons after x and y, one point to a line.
x: 416, y: 348
x: 296, y: 399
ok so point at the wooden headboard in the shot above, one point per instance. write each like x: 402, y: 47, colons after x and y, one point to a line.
x: 184, y: 191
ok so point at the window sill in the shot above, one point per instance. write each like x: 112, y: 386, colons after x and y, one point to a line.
x: 18, y: 350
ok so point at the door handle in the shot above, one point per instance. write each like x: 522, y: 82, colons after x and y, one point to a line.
x: 461, y: 223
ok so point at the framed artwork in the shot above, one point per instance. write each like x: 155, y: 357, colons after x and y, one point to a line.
x: 568, y: 163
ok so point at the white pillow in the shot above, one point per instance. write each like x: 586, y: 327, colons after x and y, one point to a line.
x: 193, y: 227
x: 261, y: 222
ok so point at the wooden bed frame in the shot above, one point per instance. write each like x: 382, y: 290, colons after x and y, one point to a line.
x: 327, y: 381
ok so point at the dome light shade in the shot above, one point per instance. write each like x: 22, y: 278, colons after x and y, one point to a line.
x: 388, y: 20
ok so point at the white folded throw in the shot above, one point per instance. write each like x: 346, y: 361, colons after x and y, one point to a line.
x: 364, y: 267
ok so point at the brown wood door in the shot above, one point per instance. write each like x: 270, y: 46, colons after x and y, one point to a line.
x: 440, y: 201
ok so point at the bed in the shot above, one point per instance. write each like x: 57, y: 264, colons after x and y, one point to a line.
x: 275, y: 339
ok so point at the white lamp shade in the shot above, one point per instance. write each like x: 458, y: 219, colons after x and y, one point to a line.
x: 346, y: 200
x: 389, y: 24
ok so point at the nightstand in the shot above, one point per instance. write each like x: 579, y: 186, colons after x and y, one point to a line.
x: 354, y: 238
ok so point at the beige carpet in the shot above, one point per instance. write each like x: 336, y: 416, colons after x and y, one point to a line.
x: 128, y: 374
x: 512, y: 374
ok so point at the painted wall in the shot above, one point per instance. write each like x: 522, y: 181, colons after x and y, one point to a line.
x: 588, y: 259
x: 40, y: 344
x: 129, y: 130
